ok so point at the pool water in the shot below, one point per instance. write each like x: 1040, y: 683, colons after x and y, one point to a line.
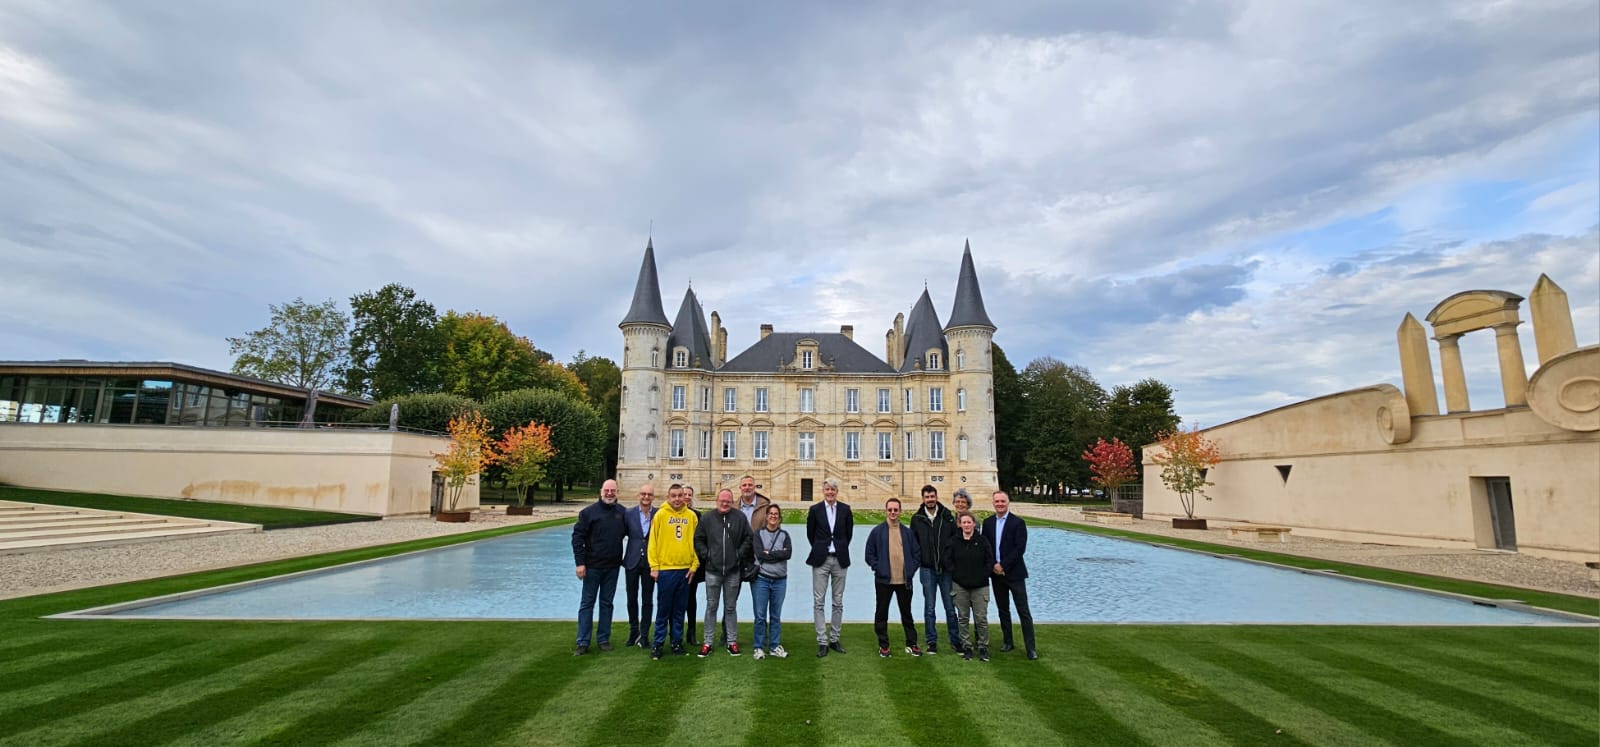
x: 1074, y: 578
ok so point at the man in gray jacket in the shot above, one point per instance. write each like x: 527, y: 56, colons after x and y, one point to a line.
x: 723, y: 541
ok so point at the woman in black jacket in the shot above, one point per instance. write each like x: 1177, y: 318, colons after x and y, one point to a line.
x: 972, y: 559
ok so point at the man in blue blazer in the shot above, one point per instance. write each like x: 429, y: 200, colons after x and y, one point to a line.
x: 635, y: 561
x: 829, y: 527
x: 1009, y: 535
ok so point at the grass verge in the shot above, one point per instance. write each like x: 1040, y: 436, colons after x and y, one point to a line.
x: 268, y: 517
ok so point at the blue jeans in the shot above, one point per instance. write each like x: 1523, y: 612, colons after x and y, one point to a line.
x: 769, y: 611
x: 601, y: 581
x: 936, y: 587
x: 672, y: 603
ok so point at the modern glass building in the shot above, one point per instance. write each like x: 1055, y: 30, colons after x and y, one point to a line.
x: 68, y: 391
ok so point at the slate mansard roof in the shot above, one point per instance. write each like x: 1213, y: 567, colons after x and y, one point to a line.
x: 778, y: 349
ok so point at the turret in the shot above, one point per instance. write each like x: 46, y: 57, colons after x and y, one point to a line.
x: 644, y: 357
x: 969, y: 335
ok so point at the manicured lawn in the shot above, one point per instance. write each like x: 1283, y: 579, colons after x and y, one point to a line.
x: 148, y: 682
x: 267, y: 517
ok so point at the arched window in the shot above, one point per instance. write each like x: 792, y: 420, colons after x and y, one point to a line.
x: 961, y: 400
x: 961, y: 360
x: 655, y: 358
x: 961, y: 443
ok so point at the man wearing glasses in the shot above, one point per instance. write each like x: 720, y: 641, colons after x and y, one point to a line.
x: 892, y: 554
x: 641, y: 587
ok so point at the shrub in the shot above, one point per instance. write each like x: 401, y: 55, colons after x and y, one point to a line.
x: 577, y: 432
x: 426, y: 412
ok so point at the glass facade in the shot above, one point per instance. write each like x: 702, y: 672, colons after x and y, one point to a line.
x: 77, y: 399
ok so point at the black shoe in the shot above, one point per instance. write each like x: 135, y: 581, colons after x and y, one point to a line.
x: 983, y: 654
x: 655, y: 653
x: 822, y: 650
x: 580, y: 651
x: 966, y: 655
x: 605, y: 646
x: 1004, y: 647
x: 932, y: 649
x: 633, y: 640
x: 677, y: 649
x: 837, y: 647
x: 1033, y: 655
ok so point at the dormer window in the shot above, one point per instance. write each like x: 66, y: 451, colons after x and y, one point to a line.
x: 680, y: 358
x: 933, y: 361
x: 808, y: 360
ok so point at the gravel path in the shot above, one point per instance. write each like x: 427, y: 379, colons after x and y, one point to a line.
x: 1508, y: 569
x: 48, y: 571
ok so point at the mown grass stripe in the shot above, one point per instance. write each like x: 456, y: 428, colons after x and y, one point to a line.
x: 928, y: 710
x: 716, y: 713
x: 1566, y: 661
x: 855, y: 694
x: 1507, y: 713
x: 244, y: 695
x: 575, y: 713
x: 496, y: 711
x: 73, y: 696
x: 70, y: 664
x: 1499, y: 670
x: 1042, y: 709
x: 1189, y: 696
x: 1253, y: 689
x: 1120, y: 714
x: 652, y: 701
x: 790, y: 681
x: 25, y: 644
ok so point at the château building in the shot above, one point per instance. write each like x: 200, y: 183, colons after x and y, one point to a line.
x: 798, y: 407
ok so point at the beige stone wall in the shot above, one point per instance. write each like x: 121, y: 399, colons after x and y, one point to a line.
x: 1347, y: 481
x: 363, y: 472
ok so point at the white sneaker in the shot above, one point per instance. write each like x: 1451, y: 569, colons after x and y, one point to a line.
x: 779, y: 653
x: 759, y: 654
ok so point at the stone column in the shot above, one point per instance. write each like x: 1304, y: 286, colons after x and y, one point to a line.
x: 1455, y: 377
x: 1416, y: 370
x: 1513, y: 375
x: 1552, y: 320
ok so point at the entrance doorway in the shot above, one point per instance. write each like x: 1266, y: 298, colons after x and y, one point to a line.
x: 805, y: 489
x: 1501, y: 516
x: 436, y: 503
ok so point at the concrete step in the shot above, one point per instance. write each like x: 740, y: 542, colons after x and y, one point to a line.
x: 59, y: 517
x: 58, y: 543
x: 42, y: 532
x: 51, y: 510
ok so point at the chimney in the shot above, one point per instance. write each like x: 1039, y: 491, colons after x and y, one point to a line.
x: 848, y: 330
x: 766, y: 329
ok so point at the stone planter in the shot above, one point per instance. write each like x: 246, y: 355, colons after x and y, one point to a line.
x: 1188, y: 523
x: 1128, y: 506
x: 453, y: 517
x: 519, y: 510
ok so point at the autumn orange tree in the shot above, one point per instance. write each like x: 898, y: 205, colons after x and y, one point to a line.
x: 470, y: 451
x: 1111, y: 465
x: 1185, y: 457
x: 522, y: 453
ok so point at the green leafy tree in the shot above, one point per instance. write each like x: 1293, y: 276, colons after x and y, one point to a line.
x: 552, y: 375
x: 1139, y: 414
x: 423, y: 412
x: 304, y: 345
x: 602, y: 379
x: 1009, y: 412
x: 481, y: 356
x: 1065, y: 410
x: 576, y: 431
x: 395, y: 345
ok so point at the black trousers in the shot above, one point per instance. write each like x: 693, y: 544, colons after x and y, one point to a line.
x: 880, y: 616
x: 641, y: 600
x: 1004, y: 590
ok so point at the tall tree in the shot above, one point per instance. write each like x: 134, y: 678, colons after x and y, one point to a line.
x: 576, y: 432
x: 603, y: 380
x: 395, y: 345
x: 1011, y: 449
x: 481, y: 356
x: 304, y: 344
x: 1065, y: 413
x: 1141, y: 413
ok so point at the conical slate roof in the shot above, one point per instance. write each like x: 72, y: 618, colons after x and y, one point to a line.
x: 968, y: 310
x: 690, y: 331
x: 923, y: 333
x: 646, y: 307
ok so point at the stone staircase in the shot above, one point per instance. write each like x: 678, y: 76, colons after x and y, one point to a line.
x: 27, y: 527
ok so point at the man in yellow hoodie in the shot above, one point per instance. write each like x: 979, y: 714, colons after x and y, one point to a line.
x: 672, y: 563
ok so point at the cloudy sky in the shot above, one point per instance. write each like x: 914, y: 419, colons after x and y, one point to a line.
x: 1241, y: 199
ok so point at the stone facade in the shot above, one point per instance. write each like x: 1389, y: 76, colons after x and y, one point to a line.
x: 798, y: 407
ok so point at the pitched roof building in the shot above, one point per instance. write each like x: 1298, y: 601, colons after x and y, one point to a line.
x: 798, y: 407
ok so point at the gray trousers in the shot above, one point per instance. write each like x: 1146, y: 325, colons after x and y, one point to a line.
x: 726, y: 590
x: 821, y: 577
x: 974, y: 602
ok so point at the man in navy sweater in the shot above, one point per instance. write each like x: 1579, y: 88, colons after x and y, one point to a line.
x: 597, y: 541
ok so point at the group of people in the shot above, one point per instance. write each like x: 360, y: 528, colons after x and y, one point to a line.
x: 666, y: 553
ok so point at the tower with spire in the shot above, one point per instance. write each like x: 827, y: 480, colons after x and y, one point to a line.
x: 795, y: 408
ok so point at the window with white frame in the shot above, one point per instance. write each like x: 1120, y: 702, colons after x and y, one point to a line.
x: 852, y: 447
x: 961, y: 447
x: 961, y: 359
x: 655, y: 358
x: 758, y: 449
x: 680, y: 358
x: 911, y: 446
x: 705, y: 444
x: 936, y: 399
x: 705, y: 399
x: 761, y: 399
x: 730, y: 400
x: 961, y: 400
x: 807, y: 359
x: 883, y: 400
x: 885, y: 447
x: 730, y: 445
x: 933, y: 361
x: 675, y: 445
x: 808, y: 447
x: 679, y: 395
x: 852, y: 400
x: 936, y: 446
x: 808, y: 400
x: 910, y: 399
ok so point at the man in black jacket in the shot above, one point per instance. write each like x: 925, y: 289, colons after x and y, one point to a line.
x: 1009, y: 536
x: 724, y: 543
x: 597, y: 541
x: 829, y: 527
x: 935, y: 527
